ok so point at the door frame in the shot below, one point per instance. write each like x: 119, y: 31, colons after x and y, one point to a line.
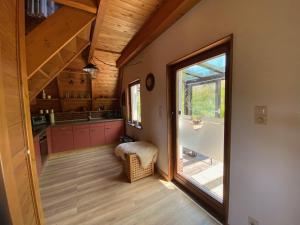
x: 217, y: 209
x: 25, y: 103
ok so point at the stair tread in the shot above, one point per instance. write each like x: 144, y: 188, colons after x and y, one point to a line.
x: 53, y: 34
x: 87, y: 5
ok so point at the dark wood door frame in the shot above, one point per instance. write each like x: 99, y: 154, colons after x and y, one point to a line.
x: 217, y: 209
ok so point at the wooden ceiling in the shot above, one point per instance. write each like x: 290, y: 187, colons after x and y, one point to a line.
x: 121, y: 21
x: 122, y: 29
x: 108, y: 33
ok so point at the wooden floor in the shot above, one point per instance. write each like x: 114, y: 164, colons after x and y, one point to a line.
x: 88, y: 188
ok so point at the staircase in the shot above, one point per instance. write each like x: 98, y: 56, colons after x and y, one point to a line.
x: 57, y: 41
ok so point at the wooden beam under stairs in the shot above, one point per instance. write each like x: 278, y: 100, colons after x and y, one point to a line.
x: 54, y: 67
x: 52, y: 35
x: 86, y: 5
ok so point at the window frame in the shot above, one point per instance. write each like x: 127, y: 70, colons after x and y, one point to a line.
x: 217, y: 80
x: 131, y: 122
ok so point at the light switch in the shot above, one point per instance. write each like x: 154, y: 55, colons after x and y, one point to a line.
x: 261, y: 115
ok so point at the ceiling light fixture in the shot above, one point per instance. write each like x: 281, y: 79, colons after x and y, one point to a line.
x: 91, y: 69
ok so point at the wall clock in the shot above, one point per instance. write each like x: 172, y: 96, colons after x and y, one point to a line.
x: 150, y: 81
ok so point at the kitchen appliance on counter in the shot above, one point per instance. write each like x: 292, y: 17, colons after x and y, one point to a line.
x: 39, y: 126
x: 39, y: 123
x: 43, y: 145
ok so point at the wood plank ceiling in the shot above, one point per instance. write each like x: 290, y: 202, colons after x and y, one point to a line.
x: 122, y: 28
x: 121, y: 20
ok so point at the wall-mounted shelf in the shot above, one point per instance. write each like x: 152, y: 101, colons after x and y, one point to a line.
x: 76, y: 99
x: 106, y: 99
x: 52, y: 99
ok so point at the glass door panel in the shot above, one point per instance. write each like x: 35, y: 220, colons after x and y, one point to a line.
x: 200, y: 124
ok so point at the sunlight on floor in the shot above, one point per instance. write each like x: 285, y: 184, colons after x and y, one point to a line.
x: 205, y: 173
x: 167, y: 184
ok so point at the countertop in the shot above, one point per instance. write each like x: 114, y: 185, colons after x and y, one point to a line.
x: 78, y: 122
x: 72, y: 122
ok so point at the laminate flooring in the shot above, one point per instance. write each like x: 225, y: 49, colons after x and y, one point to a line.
x: 88, y: 187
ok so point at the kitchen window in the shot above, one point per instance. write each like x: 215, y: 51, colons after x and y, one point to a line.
x: 135, y: 104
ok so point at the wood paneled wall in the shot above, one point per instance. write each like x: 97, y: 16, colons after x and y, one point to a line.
x: 105, y: 85
x: 84, y: 93
x: 14, y: 145
x: 54, y: 103
x: 4, y: 211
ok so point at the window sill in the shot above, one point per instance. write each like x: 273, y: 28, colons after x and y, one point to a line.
x: 135, y: 125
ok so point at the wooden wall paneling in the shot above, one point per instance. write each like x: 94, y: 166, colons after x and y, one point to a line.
x: 16, y: 149
x: 105, y: 85
x: 34, y: 182
x: 106, y: 104
x: 78, y: 85
x: 167, y: 14
x: 4, y: 211
x: 51, y: 89
x: 53, y: 103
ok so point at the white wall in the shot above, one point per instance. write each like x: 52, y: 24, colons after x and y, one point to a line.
x: 265, y: 160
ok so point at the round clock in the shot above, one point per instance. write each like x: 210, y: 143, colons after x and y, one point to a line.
x: 150, y: 82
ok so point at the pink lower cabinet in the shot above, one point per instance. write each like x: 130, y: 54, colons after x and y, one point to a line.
x: 113, y: 131
x: 70, y: 137
x: 62, y: 138
x: 81, y: 136
x: 97, y: 134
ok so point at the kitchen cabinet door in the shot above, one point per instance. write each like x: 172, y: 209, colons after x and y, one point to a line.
x: 81, y: 136
x: 62, y: 139
x: 113, y: 131
x: 97, y: 135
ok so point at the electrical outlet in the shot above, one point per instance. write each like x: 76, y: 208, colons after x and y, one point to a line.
x: 260, y: 115
x: 252, y: 221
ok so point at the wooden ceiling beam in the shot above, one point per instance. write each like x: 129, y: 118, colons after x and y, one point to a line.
x: 86, y: 5
x: 166, y: 15
x: 99, y: 20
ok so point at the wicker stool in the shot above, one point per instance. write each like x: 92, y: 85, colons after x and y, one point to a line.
x: 133, y: 168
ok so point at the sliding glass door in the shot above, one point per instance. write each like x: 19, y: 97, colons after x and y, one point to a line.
x: 201, y: 137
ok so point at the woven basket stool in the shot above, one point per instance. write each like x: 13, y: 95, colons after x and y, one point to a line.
x: 133, y: 169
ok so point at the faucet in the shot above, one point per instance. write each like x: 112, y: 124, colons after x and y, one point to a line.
x: 90, y: 116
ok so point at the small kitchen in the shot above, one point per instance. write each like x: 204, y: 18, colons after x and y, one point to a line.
x: 72, y: 112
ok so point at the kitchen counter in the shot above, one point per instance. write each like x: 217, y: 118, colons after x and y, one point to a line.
x: 79, y: 122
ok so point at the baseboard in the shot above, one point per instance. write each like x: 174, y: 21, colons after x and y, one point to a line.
x: 162, y: 174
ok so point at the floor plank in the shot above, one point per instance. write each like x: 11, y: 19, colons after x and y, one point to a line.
x: 88, y: 188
